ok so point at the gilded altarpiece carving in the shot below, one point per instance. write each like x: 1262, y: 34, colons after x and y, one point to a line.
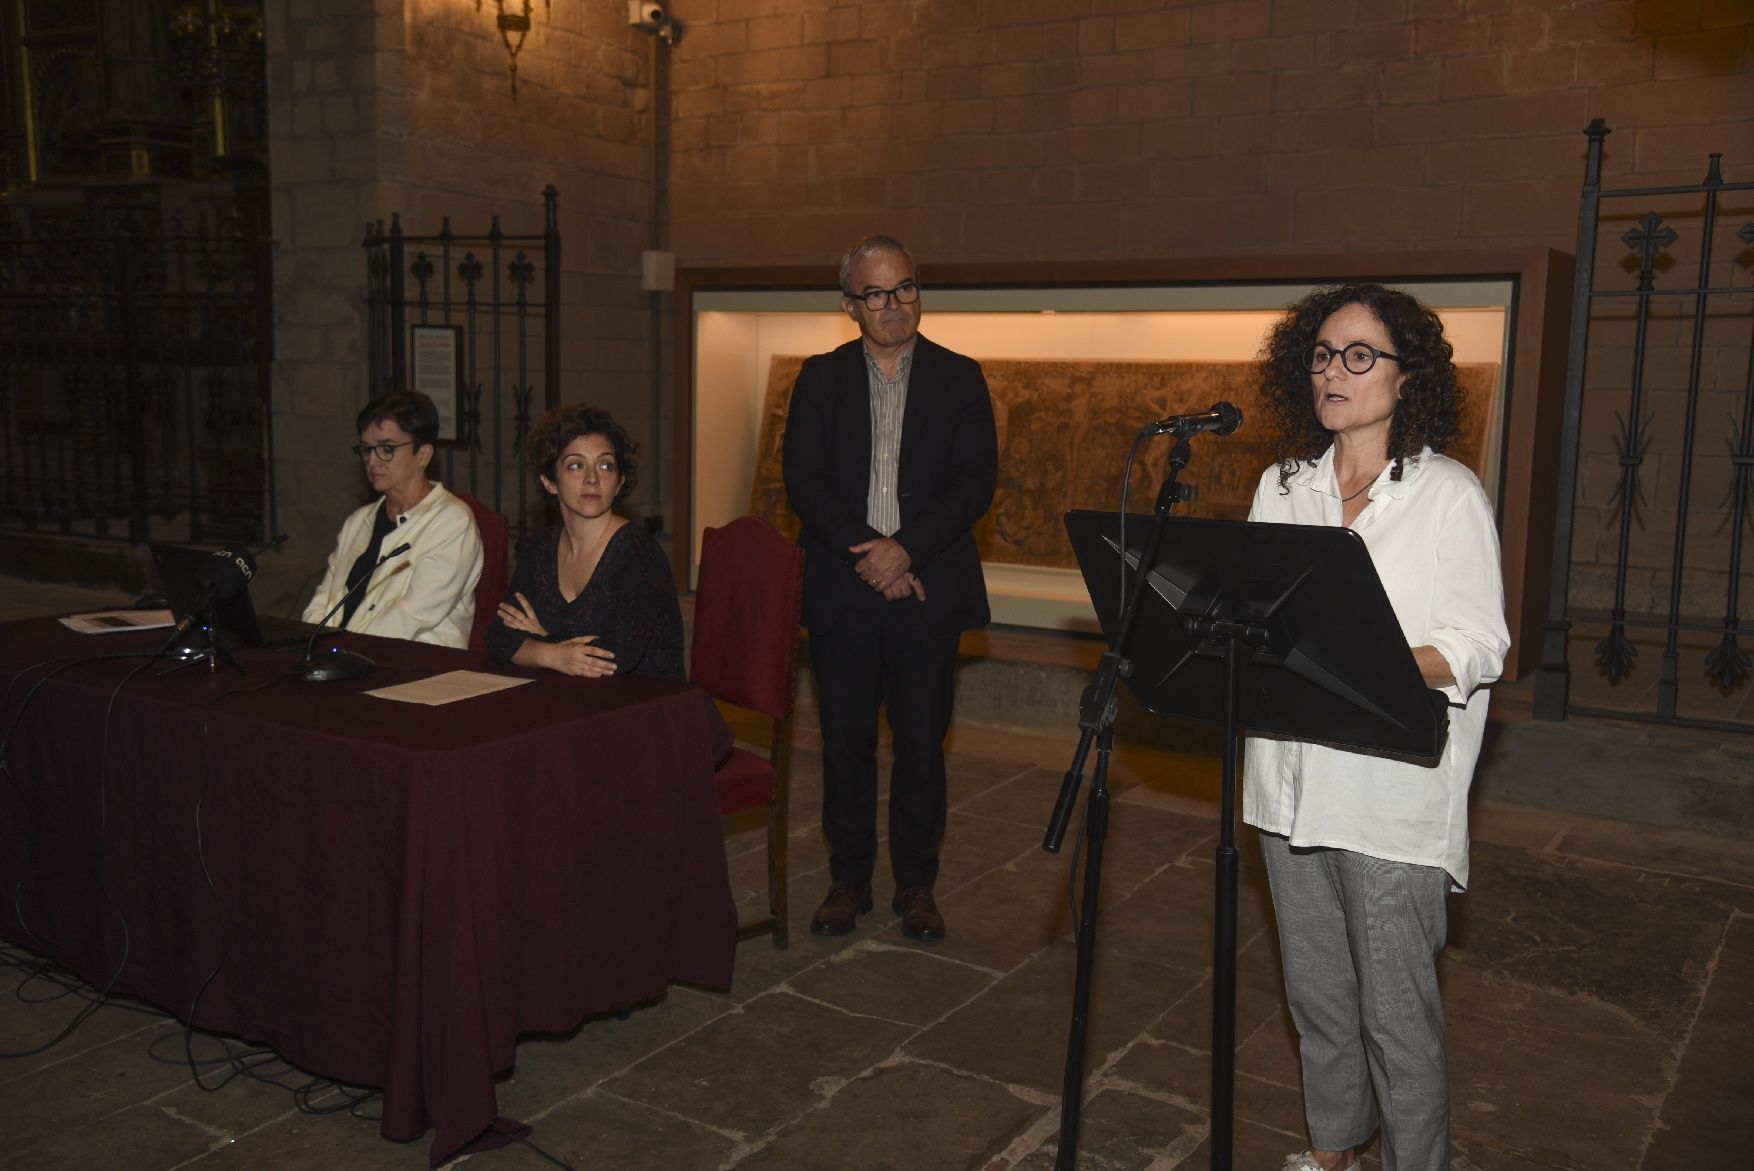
x: 1064, y: 430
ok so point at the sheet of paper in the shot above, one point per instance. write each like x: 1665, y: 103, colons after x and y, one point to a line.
x: 447, y: 688
x: 110, y: 621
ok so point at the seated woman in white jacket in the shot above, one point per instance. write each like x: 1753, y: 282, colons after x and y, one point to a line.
x: 428, y: 593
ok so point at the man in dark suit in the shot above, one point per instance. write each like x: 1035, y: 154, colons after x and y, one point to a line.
x: 890, y: 458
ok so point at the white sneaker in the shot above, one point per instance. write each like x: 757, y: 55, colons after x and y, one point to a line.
x: 1304, y: 1161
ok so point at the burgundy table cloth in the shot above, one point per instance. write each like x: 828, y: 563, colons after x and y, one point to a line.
x: 402, y: 890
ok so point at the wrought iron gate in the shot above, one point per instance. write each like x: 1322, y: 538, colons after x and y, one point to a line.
x: 1664, y: 329
x: 503, y: 292
x: 134, y: 400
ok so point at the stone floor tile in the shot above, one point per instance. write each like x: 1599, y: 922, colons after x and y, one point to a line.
x: 1184, y: 1074
x: 1259, y: 993
x: 1004, y: 916
x: 140, y: 1138
x: 231, y: 1105
x: 35, y: 1023
x: 86, y: 1085
x: 549, y: 1070
x: 1031, y: 1008
x: 599, y: 1130
x: 1025, y: 798
x: 903, y: 1116
x: 761, y: 1066
x: 1522, y: 826
x: 1121, y: 1130
x: 1270, y: 1050
x: 1253, y: 1147
x: 1163, y: 1067
x: 1169, y: 919
x: 974, y: 845
x: 1517, y: 1056
x: 1707, y: 1119
x: 316, y: 1143
x: 1586, y: 929
x: 1667, y: 851
x: 1477, y: 1157
x: 909, y: 985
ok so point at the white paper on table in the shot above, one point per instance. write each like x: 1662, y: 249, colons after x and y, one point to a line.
x: 448, y: 688
x: 111, y: 621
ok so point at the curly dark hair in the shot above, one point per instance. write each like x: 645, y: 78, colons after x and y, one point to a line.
x: 559, y: 427
x: 1430, y: 410
x: 408, y: 409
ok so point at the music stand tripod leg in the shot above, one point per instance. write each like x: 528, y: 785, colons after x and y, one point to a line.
x: 1095, y: 833
x: 1224, y: 897
x: 1097, y: 709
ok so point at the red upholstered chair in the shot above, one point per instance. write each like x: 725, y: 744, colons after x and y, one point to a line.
x: 491, y: 588
x: 746, y: 608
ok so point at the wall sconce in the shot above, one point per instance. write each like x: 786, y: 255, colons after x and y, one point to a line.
x: 513, y: 21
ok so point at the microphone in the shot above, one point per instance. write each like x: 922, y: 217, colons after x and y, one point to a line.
x: 223, y: 576
x: 1221, y: 419
x: 340, y: 664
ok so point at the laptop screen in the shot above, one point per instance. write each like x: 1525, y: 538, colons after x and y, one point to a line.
x: 179, y: 576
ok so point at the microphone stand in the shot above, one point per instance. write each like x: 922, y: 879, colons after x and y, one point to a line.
x: 339, y: 663
x: 196, y: 641
x: 1096, y: 716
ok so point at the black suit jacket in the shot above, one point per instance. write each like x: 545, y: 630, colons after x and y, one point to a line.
x: 948, y: 468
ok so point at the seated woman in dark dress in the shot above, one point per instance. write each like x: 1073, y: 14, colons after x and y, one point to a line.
x: 593, y: 595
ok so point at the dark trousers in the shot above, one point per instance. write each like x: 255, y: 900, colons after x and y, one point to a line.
x: 884, y: 655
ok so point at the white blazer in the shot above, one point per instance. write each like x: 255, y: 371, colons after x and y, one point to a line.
x: 426, y: 594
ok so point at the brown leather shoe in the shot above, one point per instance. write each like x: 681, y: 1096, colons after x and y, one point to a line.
x: 841, y: 909
x: 919, y: 914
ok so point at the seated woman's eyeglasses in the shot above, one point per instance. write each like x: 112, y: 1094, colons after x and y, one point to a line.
x: 1357, y: 357
x: 906, y: 293
x: 384, y: 451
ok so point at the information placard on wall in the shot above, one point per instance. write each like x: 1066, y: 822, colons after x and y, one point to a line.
x: 438, y: 374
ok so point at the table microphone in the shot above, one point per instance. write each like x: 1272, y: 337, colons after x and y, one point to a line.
x: 340, y: 664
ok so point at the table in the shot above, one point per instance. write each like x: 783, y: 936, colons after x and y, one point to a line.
x: 402, y: 890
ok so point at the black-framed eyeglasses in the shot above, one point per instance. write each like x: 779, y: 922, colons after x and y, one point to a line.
x: 1357, y: 357
x: 384, y: 451
x: 906, y: 293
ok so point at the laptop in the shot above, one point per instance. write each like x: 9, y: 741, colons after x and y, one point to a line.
x: 235, y: 621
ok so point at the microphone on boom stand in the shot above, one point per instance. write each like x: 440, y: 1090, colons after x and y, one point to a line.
x: 1221, y: 419
x: 338, y: 663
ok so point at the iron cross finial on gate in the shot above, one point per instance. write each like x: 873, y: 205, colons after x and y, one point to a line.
x: 1650, y: 237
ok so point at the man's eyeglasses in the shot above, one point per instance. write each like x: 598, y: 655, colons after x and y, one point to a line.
x: 384, y: 451
x: 906, y: 293
x: 1357, y: 357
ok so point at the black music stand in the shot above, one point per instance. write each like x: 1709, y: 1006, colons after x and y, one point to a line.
x: 1282, y: 629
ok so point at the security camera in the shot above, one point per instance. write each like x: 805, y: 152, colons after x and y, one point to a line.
x: 644, y: 14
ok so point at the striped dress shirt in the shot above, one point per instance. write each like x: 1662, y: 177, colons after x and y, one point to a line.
x: 888, y: 401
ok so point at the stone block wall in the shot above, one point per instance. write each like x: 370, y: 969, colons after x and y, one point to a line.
x: 323, y: 166
x: 1087, y: 128
x: 405, y: 107
x: 1074, y: 129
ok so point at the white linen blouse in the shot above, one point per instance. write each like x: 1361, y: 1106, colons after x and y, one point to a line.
x: 1434, y: 542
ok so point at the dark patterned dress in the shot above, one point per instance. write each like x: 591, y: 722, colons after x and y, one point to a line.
x: 629, y: 603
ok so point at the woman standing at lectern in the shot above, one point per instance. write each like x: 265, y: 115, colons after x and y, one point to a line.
x: 1362, y: 850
